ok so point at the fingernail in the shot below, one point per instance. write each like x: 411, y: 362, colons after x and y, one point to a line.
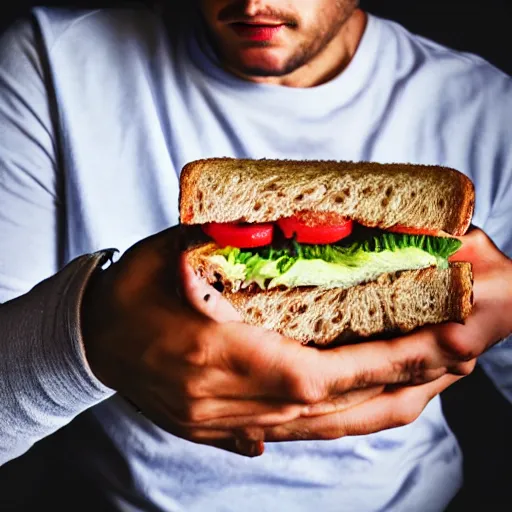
x: 250, y: 448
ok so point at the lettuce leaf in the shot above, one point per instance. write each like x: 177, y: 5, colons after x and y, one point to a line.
x: 349, y: 255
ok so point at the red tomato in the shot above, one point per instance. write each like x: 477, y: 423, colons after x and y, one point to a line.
x: 398, y: 228
x: 243, y: 236
x: 314, y: 234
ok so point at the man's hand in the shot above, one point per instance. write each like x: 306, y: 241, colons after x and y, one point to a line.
x: 419, y: 366
x: 190, y: 365
x: 200, y: 373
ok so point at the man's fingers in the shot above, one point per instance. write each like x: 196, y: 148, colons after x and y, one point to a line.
x: 388, y: 410
x: 412, y: 359
x: 234, y: 414
x: 249, y: 448
x: 464, y: 342
x: 417, y: 358
x: 238, y: 414
x: 204, y: 298
x: 342, y: 402
x: 281, y: 369
x: 229, y: 442
x: 478, y: 249
x: 393, y: 409
x: 247, y: 441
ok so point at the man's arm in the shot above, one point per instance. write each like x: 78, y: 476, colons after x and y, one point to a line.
x: 196, y: 371
x: 198, y: 378
x: 44, y: 378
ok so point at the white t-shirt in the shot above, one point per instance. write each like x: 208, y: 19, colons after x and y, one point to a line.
x: 99, y: 111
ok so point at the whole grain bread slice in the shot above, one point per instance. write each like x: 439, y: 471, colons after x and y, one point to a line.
x: 373, y: 194
x: 394, y: 303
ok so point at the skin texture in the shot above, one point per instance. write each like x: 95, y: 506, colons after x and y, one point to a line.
x: 172, y: 345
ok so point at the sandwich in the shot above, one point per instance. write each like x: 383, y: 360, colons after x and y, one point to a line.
x: 329, y: 252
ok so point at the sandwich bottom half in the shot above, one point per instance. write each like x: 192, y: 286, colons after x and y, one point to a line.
x: 394, y: 303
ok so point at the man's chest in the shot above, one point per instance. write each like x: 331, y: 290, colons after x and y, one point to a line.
x: 124, y: 161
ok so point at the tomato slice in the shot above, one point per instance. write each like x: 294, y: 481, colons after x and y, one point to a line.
x: 406, y: 230
x: 243, y: 236
x: 307, y: 233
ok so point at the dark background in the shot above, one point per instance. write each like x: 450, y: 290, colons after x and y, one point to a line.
x: 476, y: 411
x: 482, y: 27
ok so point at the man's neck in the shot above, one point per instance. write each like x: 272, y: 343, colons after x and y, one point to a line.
x: 328, y: 64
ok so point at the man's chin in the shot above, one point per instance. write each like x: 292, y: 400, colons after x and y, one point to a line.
x: 263, y: 67
x: 260, y: 72
x: 261, y: 62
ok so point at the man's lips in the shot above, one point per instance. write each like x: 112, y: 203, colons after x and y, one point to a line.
x: 257, y: 32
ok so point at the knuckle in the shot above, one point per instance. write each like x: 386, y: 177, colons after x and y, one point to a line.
x: 479, y: 237
x: 198, y: 353
x: 405, y: 411
x: 196, y: 356
x: 360, y: 380
x: 156, y: 356
x: 413, y: 370
x: 460, y: 347
x: 352, y: 376
x: 193, y: 388
x: 301, y: 387
x: 252, y: 434
x: 194, y: 415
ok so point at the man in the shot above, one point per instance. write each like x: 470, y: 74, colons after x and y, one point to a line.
x: 99, y: 111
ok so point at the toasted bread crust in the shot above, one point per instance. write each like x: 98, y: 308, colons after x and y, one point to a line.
x: 373, y: 194
x: 465, y: 207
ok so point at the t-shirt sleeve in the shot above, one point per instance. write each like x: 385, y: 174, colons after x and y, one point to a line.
x: 44, y: 377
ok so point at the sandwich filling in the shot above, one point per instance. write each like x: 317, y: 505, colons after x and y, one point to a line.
x: 343, y: 264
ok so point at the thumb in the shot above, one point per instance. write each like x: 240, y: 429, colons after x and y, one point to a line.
x: 205, y: 298
x: 468, y: 251
x: 479, y: 250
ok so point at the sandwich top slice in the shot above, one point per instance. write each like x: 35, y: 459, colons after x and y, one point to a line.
x: 331, y: 251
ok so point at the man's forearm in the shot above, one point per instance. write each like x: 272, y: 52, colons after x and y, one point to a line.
x: 44, y: 378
